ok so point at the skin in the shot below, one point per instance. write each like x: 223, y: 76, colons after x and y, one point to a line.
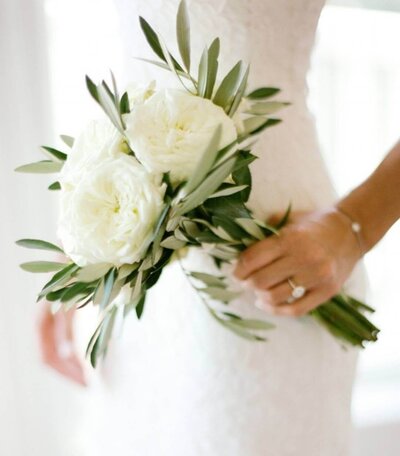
x: 317, y: 250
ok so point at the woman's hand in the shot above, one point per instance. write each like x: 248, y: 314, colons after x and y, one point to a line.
x: 316, y: 250
x: 57, y: 344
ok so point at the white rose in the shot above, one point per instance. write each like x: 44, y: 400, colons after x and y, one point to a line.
x: 171, y: 130
x: 139, y: 93
x: 110, y: 215
x: 98, y: 142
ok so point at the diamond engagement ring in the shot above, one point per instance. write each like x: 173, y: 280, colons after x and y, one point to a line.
x: 297, y: 291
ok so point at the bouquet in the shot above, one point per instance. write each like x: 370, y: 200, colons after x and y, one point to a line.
x: 165, y: 170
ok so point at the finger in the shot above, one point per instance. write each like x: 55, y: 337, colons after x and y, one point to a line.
x: 258, y: 255
x: 278, y: 294
x: 272, y: 274
x: 298, y: 308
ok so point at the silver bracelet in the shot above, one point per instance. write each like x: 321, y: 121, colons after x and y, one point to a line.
x: 355, y: 228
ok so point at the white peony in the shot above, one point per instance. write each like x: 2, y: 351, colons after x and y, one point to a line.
x: 110, y: 215
x: 98, y: 142
x: 171, y: 130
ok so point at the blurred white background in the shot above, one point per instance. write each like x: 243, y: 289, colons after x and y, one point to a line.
x: 48, y: 46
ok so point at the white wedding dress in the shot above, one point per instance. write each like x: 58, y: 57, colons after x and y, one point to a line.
x: 176, y: 383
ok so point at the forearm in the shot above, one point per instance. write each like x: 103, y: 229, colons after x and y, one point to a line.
x: 375, y: 204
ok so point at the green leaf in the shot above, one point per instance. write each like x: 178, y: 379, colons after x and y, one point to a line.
x: 183, y: 33
x: 208, y: 279
x: 206, y: 188
x: 173, y: 243
x: 124, y: 104
x: 251, y: 227
x: 282, y: 222
x: 92, y: 88
x: 54, y: 186
x: 230, y: 324
x: 168, y: 58
x: 228, y: 87
x: 232, y: 189
x: 42, y: 266
x: 79, y: 288
x: 240, y: 92
x: 107, y: 102
x: 254, y: 324
x: 40, y: 167
x: 140, y: 306
x: 206, y: 161
x: 68, y: 140
x: 93, y: 272
x: 203, y: 74
x: 263, y: 92
x: 164, y: 66
x: 265, y: 108
x: 60, y: 278
x: 212, y: 67
x: 38, y: 244
x: 106, y: 332
x: 55, y: 153
x: 208, y: 68
x: 126, y: 270
x: 255, y: 125
x: 108, y: 288
x: 154, y: 42
x: 115, y: 88
x: 220, y: 294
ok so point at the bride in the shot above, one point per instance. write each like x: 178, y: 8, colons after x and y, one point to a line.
x: 178, y: 384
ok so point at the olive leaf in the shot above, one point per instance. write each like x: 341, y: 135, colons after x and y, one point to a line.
x: 265, y: 108
x: 164, y: 66
x: 263, y: 92
x: 206, y: 161
x: 154, y: 42
x: 240, y: 91
x: 92, y: 272
x: 61, y: 156
x: 67, y: 140
x: 41, y: 167
x: 38, y: 244
x: 42, y: 266
x: 206, y: 188
x: 219, y: 293
x: 171, y: 242
x: 232, y: 189
x: 208, y: 279
x: 55, y: 186
x: 228, y: 87
x: 183, y: 34
x: 251, y: 227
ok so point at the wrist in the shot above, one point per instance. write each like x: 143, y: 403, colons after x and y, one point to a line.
x: 354, y: 225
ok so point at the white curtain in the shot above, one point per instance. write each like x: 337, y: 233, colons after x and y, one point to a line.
x: 36, y: 407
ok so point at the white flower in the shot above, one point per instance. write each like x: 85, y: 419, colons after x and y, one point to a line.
x: 171, y: 130
x: 139, y: 93
x: 98, y: 142
x: 109, y: 217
